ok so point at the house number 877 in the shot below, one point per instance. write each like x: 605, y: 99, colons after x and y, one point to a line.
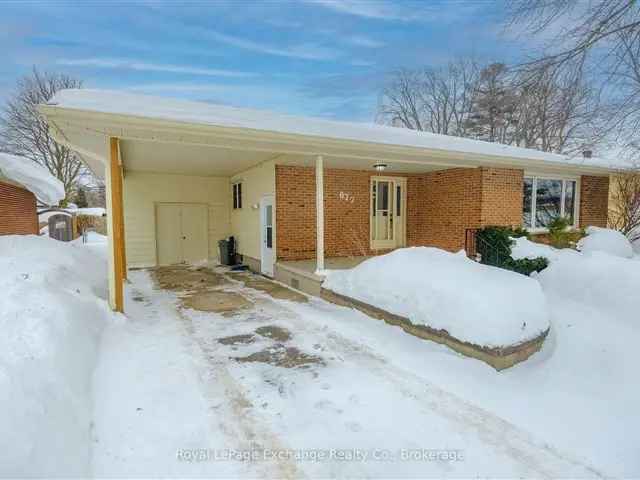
x: 347, y: 197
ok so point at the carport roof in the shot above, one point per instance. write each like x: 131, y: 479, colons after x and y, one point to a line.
x: 206, y: 114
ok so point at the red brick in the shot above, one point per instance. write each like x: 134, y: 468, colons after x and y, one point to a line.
x: 18, y: 213
x: 441, y: 205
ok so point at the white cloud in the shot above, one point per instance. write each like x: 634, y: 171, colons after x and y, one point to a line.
x: 367, y: 9
x: 404, y: 12
x: 150, y: 67
x: 304, y: 51
x: 292, y: 99
x: 364, y: 41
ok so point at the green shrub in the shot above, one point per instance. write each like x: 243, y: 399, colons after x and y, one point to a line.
x: 559, y: 232
x: 494, y: 246
x: 525, y: 266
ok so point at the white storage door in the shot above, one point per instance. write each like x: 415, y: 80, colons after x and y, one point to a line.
x: 181, y: 233
x: 168, y: 234
x: 195, y: 245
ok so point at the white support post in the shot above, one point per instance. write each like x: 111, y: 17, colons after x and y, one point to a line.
x: 319, y: 215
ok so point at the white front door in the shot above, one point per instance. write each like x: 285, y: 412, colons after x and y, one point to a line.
x: 267, y: 235
x: 388, y: 209
x: 181, y: 233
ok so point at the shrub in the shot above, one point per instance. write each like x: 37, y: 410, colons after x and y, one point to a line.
x: 494, y: 246
x: 525, y: 266
x: 91, y: 221
x: 559, y: 232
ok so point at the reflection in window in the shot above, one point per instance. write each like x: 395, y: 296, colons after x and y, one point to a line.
x: 526, y: 209
x: 548, y: 201
x: 570, y: 200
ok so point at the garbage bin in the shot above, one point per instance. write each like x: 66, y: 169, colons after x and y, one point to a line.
x: 227, y: 251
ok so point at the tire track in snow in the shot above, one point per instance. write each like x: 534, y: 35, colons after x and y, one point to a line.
x: 505, y: 437
x: 253, y: 434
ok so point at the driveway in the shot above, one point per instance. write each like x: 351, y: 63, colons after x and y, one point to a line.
x: 229, y: 374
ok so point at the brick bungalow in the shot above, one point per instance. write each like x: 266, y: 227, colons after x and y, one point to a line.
x: 300, y: 194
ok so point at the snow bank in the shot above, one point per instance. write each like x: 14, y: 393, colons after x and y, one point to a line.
x: 523, y: 248
x: 92, y: 211
x: 33, y: 177
x: 51, y: 314
x: 476, y: 303
x: 606, y: 240
x: 606, y: 282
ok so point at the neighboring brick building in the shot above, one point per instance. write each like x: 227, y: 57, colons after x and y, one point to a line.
x: 440, y: 207
x: 21, y: 181
x: 18, y: 214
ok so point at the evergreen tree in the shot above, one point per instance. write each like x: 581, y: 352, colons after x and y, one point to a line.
x: 494, y: 106
x: 81, y: 199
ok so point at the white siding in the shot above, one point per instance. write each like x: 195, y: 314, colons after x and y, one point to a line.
x: 143, y: 190
x: 245, y: 222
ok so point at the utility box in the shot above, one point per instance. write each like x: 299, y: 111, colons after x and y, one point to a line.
x: 61, y: 227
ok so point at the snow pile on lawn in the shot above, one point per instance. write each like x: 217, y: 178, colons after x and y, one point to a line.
x: 51, y: 315
x: 605, y: 282
x: 523, y: 248
x: 606, y: 240
x: 33, y: 177
x: 476, y: 303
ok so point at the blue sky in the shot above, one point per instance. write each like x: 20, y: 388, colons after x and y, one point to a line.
x: 313, y: 57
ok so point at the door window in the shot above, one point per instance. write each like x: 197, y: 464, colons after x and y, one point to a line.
x: 269, y: 225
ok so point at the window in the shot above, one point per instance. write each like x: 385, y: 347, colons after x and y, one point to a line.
x: 546, y: 199
x: 237, y: 195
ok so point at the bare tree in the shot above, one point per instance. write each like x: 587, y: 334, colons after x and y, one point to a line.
x: 624, y: 203
x: 601, y: 36
x: 556, y: 112
x: 540, y: 108
x: 25, y: 133
x: 433, y: 100
x: 493, y: 112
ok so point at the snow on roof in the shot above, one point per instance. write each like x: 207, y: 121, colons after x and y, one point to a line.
x: 124, y: 103
x: 35, y: 178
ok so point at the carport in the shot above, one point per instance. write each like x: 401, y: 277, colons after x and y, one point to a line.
x: 121, y: 148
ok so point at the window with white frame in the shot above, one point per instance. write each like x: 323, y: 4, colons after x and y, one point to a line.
x: 237, y: 196
x: 547, y: 198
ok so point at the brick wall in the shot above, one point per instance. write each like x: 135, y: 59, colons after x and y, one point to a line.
x: 441, y: 205
x: 502, y: 196
x: 18, y: 214
x: 295, y: 212
x: 450, y: 204
x: 594, y: 201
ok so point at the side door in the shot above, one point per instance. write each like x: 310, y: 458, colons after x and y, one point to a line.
x: 267, y: 235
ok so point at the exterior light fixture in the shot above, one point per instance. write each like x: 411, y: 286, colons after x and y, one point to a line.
x: 380, y: 167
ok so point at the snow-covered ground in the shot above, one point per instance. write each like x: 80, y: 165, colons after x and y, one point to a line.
x: 605, y: 240
x: 52, y: 310
x: 476, y: 303
x: 168, y: 389
x: 170, y: 398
